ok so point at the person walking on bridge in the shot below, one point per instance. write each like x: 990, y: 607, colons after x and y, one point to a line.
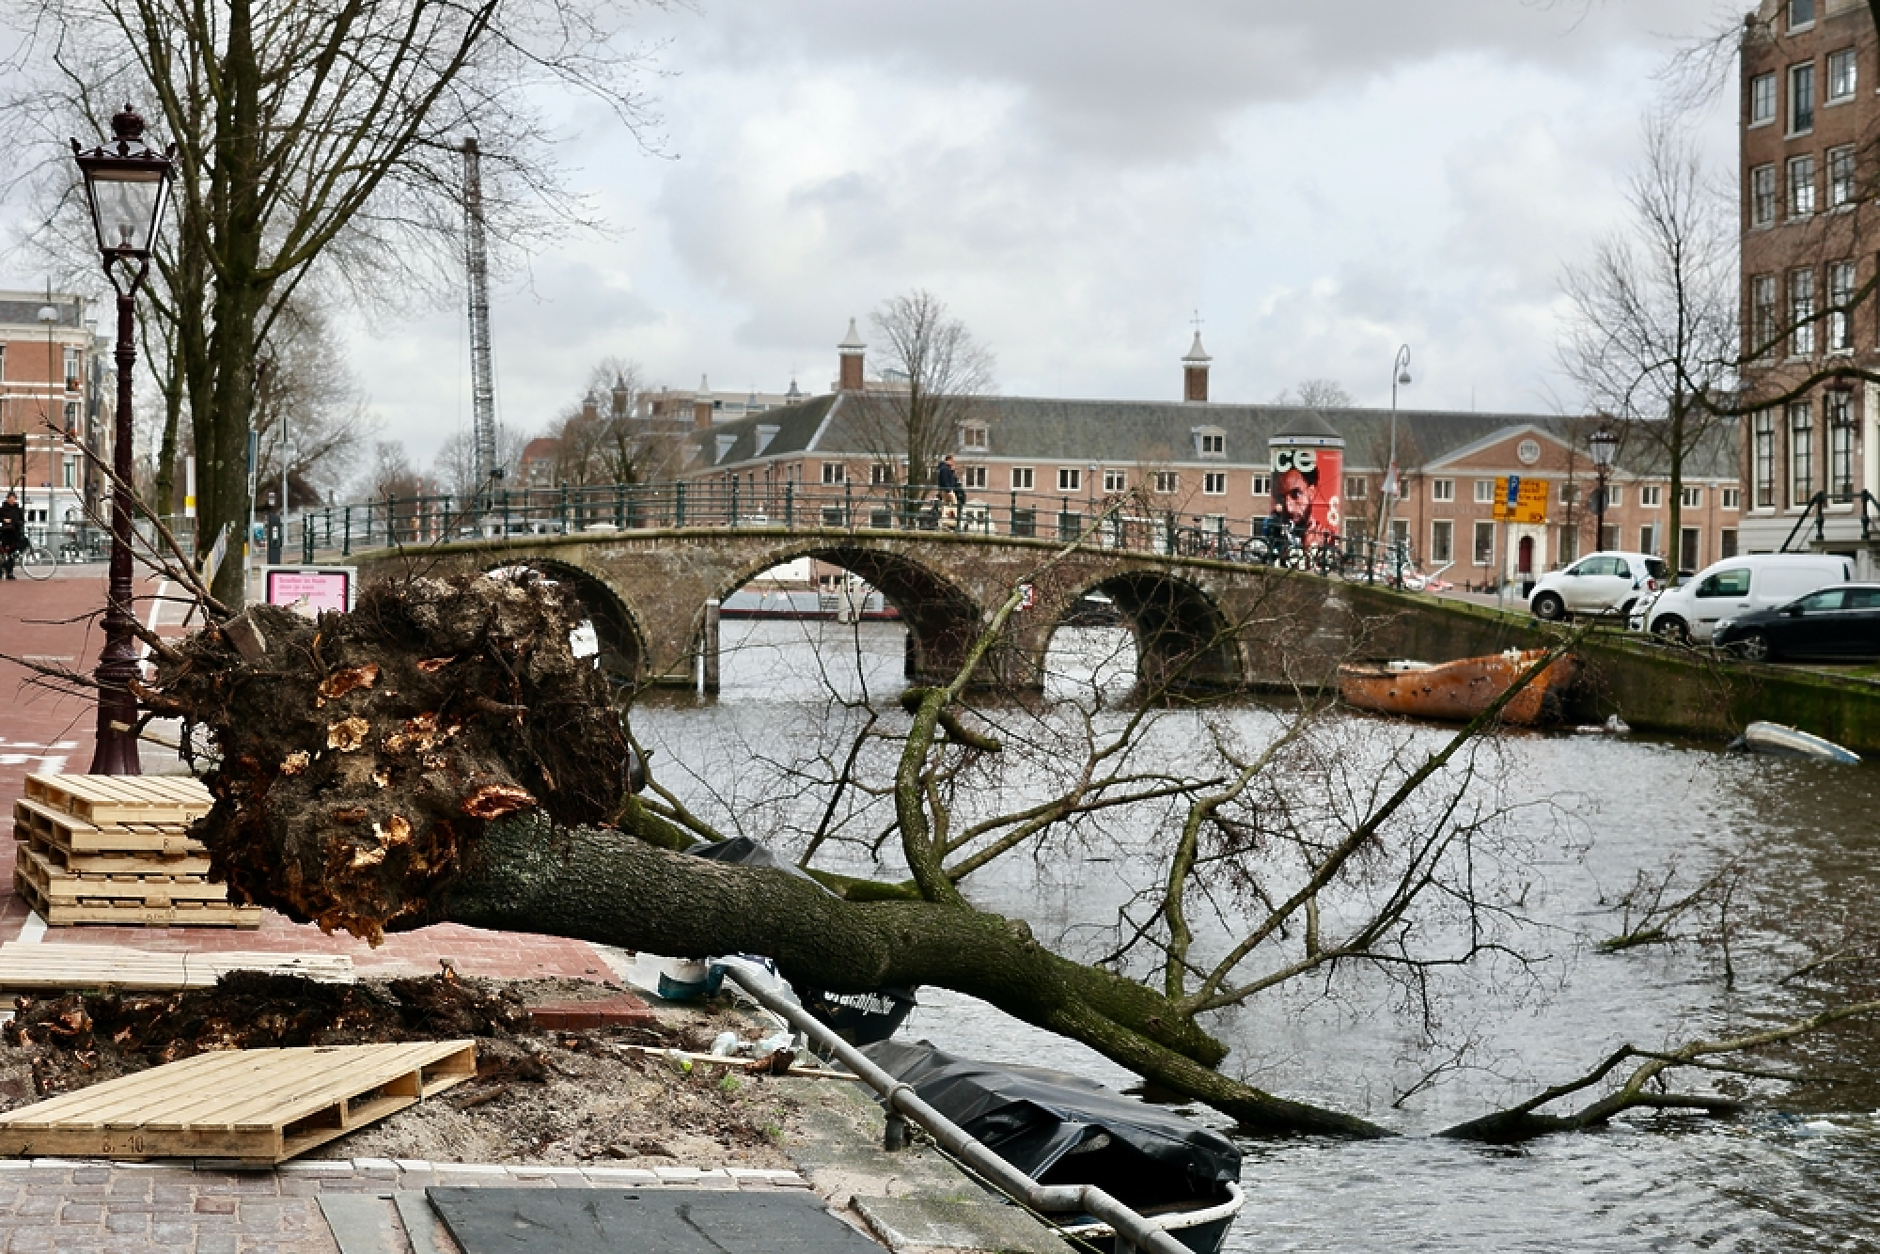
x: 947, y: 479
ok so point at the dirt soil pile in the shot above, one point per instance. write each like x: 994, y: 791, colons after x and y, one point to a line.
x: 558, y: 1098
x: 360, y: 753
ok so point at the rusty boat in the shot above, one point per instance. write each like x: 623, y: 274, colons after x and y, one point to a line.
x: 1458, y: 691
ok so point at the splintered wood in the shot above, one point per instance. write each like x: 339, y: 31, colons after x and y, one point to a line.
x: 116, y: 849
x: 47, y: 967
x: 254, y: 1107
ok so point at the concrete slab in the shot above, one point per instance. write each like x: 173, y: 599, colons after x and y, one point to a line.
x: 925, y: 1226
x: 660, y: 1221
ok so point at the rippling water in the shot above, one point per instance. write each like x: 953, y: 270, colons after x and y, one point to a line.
x: 1801, y: 1174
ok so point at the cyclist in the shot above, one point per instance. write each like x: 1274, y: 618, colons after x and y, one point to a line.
x: 12, y: 533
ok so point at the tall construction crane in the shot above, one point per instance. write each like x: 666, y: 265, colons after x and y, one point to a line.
x: 482, y: 380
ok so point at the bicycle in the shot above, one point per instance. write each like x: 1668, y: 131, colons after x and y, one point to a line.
x: 35, y: 559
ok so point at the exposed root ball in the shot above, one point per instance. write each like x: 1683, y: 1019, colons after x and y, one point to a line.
x: 359, y: 752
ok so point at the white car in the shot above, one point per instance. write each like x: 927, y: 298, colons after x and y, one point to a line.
x: 1598, y: 583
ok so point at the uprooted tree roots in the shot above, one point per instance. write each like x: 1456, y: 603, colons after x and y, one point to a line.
x: 361, y: 751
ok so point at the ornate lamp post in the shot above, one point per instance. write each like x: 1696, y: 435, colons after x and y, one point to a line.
x: 127, y: 184
x: 1399, y: 373
x: 1603, y: 443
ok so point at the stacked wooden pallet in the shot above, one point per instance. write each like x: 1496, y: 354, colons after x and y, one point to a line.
x: 116, y: 849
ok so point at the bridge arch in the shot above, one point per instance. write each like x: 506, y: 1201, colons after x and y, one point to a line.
x: 1185, y: 639
x: 940, y: 616
x: 622, y: 637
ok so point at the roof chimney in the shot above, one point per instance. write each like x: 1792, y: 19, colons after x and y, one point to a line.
x: 702, y: 405
x: 851, y: 348
x: 1195, y: 372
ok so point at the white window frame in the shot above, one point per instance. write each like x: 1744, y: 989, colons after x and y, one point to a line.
x: 1802, y: 98
x: 974, y: 437
x: 1650, y: 495
x: 1730, y: 498
x: 1262, y: 486
x: 1840, y: 297
x: 1442, y: 489
x: 1841, y: 194
x: 1357, y: 489
x: 1802, y: 199
x: 1762, y: 315
x: 1115, y: 480
x: 973, y: 477
x: 72, y: 371
x: 1024, y: 479
x: 880, y: 474
x: 1070, y: 479
x: 1443, y: 540
x: 1762, y: 99
x: 835, y: 472
x: 1210, y: 442
x: 1807, y: 8
x: 1802, y: 312
x: 1615, y: 496
x: 1214, y: 483
x: 1484, y: 491
x: 1843, y: 76
x: 1762, y: 196
x: 1691, y: 496
x: 1483, y: 553
x: 1167, y: 483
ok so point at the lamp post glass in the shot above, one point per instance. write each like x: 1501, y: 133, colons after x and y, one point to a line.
x: 1603, y: 443
x: 1399, y: 373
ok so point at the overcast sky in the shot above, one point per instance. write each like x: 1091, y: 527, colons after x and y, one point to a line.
x: 1320, y: 181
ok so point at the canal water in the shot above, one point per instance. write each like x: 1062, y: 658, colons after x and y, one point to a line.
x: 1587, y: 814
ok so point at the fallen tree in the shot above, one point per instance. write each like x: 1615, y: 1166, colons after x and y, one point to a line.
x: 441, y: 754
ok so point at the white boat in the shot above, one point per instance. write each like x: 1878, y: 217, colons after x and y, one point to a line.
x: 1792, y: 742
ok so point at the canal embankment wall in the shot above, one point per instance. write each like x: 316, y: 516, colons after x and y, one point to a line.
x: 1651, y: 684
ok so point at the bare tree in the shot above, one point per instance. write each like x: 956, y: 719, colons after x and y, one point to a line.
x: 315, y: 135
x: 1653, y: 336
x: 455, y: 467
x: 1317, y: 394
x: 935, y: 379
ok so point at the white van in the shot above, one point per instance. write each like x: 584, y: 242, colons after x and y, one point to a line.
x: 1736, y: 585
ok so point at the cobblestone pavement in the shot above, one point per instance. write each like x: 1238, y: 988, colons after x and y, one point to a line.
x: 61, y: 1206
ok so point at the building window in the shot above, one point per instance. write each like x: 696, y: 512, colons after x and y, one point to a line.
x: 1726, y: 543
x: 1484, y: 543
x: 1801, y: 453
x: 835, y: 472
x: 1763, y: 457
x: 71, y: 472
x: 3, y: 363
x: 973, y: 477
x: 1262, y: 487
x: 1443, y: 540
x: 1166, y: 482
x: 71, y: 369
x: 1214, y: 483
x: 1801, y: 14
x: 1840, y: 315
x: 1442, y: 489
x: 1687, y: 548
x: 1762, y: 195
x: 1116, y: 481
x: 1650, y: 496
x: 1840, y: 453
x: 1691, y: 498
x: 1615, y: 495
x: 1729, y: 498
x: 71, y: 415
x: 1762, y: 314
x: 880, y: 474
x: 1021, y: 478
x: 1210, y: 443
x: 1484, y: 491
x: 1569, y: 494
x: 1762, y: 100
x: 1802, y: 313
x: 973, y: 438
x: 1840, y: 176
x: 1357, y: 489
x: 1070, y: 479
x: 1801, y: 98
x: 1645, y: 535
x: 1801, y: 186
x: 1841, y: 75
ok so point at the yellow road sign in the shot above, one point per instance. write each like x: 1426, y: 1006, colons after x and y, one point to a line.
x: 1519, y: 500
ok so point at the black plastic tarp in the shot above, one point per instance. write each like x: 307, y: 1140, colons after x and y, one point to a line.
x: 1060, y: 1128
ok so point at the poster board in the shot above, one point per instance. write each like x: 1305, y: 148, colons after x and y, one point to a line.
x: 309, y: 589
x: 1519, y: 500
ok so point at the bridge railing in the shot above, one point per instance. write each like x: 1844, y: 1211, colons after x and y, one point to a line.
x: 523, y: 514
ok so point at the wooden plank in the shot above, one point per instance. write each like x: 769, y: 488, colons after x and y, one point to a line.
x: 258, y: 1106
x: 133, y: 914
x: 108, y: 799
x: 52, y: 966
x: 195, y: 866
x: 58, y: 887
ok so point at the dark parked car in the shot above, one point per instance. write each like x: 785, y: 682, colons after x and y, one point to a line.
x: 1838, y: 622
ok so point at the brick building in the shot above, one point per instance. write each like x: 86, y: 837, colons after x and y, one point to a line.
x: 1039, y: 465
x: 54, y: 373
x: 1808, y: 128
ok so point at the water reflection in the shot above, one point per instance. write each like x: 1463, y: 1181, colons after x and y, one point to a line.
x: 1594, y: 813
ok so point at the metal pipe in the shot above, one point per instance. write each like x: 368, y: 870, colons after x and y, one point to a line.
x: 900, y: 1099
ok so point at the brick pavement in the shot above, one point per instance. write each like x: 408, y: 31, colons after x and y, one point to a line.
x: 66, y: 1206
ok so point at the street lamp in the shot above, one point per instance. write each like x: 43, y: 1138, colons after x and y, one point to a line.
x: 1399, y: 373
x: 126, y: 185
x: 1603, y: 443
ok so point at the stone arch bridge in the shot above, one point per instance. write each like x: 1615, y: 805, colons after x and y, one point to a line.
x: 1200, y: 623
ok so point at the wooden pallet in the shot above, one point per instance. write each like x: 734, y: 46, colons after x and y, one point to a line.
x: 254, y: 1107
x: 115, y: 863
x: 47, y: 967
x: 107, y: 799
x: 132, y: 911
x: 76, y: 835
x: 60, y: 887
